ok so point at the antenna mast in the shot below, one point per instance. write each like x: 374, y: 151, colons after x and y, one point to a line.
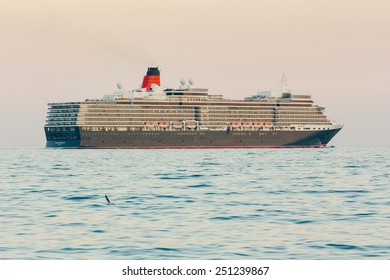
x: 283, y: 83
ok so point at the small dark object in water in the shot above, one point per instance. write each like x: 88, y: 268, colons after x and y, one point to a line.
x: 108, y: 201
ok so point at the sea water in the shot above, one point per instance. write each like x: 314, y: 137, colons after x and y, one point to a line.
x: 330, y: 203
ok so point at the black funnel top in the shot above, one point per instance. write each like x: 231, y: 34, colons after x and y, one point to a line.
x: 153, y: 71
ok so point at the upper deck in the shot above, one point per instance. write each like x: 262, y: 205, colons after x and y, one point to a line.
x: 132, y: 110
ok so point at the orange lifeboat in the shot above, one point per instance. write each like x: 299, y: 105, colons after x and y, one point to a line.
x: 150, y: 124
x: 163, y: 124
x: 177, y: 124
x: 258, y: 124
x: 246, y: 124
x: 191, y: 124
x: 268, y: 124
x: 235, y: 124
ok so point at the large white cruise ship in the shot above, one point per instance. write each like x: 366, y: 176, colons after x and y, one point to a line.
x: 187, y: 117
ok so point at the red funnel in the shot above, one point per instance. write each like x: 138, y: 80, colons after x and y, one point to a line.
x: 152, y: 77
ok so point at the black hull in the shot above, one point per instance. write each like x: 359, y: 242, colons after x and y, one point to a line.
x: 188, y: 139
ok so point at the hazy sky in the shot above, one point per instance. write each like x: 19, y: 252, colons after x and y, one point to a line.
x: 338, y: 51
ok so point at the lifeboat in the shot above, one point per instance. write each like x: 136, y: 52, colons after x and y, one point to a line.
x: 191, y: 124
x: 150, y: 124
x: 247, y: 124
x: 258, y: 124
x: 268, y: 124
x: 163, y: 124
x: 177, y: 124
x: 235, y: 124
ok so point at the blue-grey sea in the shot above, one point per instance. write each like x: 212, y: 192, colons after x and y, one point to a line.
x: 330, y: 203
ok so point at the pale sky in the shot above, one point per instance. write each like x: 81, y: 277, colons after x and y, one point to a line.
x: 336, y: 50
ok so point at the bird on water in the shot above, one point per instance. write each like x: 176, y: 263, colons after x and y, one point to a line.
x: 108, y: 200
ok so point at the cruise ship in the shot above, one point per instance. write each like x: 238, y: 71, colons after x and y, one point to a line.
x: 188, y: 117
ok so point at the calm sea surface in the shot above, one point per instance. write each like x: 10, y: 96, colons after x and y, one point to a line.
x: 331, y: 203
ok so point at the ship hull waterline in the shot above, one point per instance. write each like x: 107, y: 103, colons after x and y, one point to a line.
x: 189, y: 139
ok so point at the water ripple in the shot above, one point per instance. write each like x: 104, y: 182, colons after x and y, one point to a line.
x: 195, y: 204
x: 79, y: 197
x: 345, y: 247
